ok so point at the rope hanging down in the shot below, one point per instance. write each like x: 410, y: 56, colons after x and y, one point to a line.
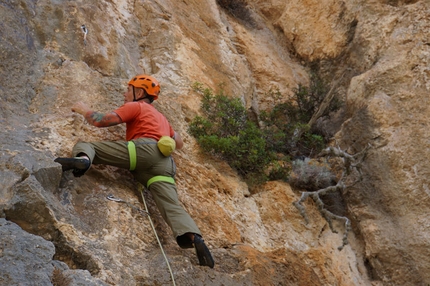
x: 145, y: 212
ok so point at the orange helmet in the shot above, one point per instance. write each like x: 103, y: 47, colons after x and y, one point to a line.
x: 148, y: 83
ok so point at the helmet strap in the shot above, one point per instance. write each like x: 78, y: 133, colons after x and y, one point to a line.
x: 150, y: 98
x: 134, y: 95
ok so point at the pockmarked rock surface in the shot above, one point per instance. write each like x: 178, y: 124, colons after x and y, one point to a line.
x: 57, y: 226
x: 391, y: 114
x: 28, y: 259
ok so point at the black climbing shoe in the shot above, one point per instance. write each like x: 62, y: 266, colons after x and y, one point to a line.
x: 79, y: 165
x: 202, y: 251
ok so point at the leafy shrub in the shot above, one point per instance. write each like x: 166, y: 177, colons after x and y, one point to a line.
x: 309, y: 99
x: 224, y: 116
x: 225, y: 131
x: 286, y: 132
x: 259, y: 154
x: 286, y: 126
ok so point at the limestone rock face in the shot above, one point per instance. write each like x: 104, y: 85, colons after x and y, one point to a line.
x: 391, y: 113
x: 47, y: 63
x: 27, y: 259
x: 313, y: 29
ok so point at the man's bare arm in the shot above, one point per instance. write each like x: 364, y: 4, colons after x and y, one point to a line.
x: 95, y: 118
x: 99, y: 119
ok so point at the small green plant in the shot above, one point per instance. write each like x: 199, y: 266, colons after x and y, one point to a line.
x: 258, y: 154
x: 286, y: 126
x: 224, y: 116
x: 285, y: 132
x: 226, y: 131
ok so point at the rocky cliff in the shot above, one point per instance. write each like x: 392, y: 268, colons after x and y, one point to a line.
x: 60, y: 230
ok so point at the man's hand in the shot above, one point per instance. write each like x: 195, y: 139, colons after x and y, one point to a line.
x: 178, y: 141
x: 95, y: 118
x: 81, y: 108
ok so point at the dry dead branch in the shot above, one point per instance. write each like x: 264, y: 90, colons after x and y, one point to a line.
x: 326, y: 102
x: 350, y: 163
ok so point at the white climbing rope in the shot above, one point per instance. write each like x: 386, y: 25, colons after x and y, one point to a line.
x: 146, y: 212
x: 141, y: 188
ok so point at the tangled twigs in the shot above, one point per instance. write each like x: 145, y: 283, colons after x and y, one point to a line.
x: 328, y: 216
x: 350, y: 163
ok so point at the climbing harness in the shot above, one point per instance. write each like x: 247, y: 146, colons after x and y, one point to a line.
x: 160, y: 179
x: 146, y: 212
x: 85, y: 31
x: 133, y: 160
x: 132, y: 154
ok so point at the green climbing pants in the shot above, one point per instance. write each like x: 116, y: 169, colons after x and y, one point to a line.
x: 150, y: 163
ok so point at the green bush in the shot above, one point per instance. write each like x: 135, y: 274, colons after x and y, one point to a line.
x: 259, y: 154
x: 223, y: 116
x: 225, y: 131
x: 285, y: 133
x: 286, y: 126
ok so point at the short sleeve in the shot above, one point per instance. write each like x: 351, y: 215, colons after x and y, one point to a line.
x: 128, y: 111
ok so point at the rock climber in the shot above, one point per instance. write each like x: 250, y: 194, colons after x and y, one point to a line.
x: 146, y: 153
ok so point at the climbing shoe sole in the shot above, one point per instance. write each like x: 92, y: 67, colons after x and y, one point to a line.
x: 76, y: 163
x: 203, y: 253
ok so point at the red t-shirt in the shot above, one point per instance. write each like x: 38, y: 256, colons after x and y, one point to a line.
x: 143, y: 120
